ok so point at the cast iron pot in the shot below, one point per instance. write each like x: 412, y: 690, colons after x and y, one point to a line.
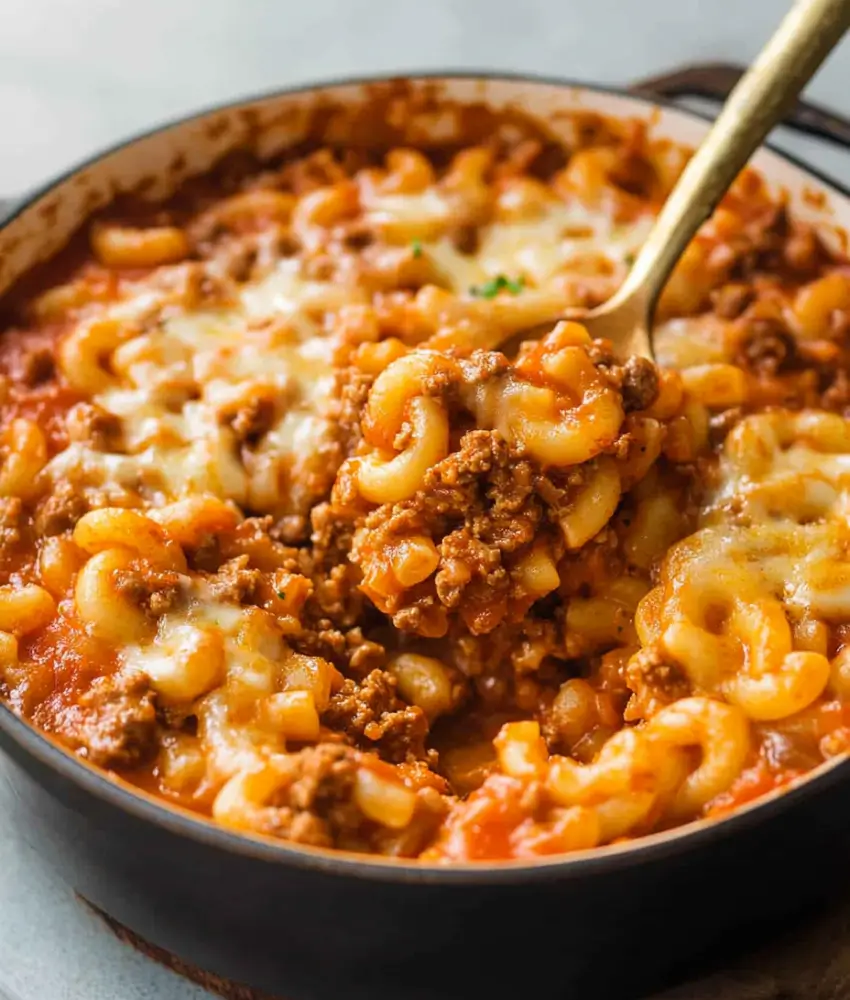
x: 313, y: 925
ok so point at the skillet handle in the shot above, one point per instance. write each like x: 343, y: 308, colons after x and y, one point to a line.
x: 715, y: 81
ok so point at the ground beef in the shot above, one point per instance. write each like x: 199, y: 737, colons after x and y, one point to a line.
x: 454, y: 382
x: 10, y: 522
x: 352, y: 391
x: 114, y: 722
x: 655, y: 681
x: 235, y: 582
x: 636, y: 379
x: 60, y: 510
x: 253, y: 420
x: 766, y: 347
x: 364, y: 655
x: 760, y: 245
x: 720, y: 424
x: 154, y: 591
x: 315, y: 806
x: 639, y: 385
x: 347, y: 649
x: 38, y: 366
x: 836, y: 395
x: 235, y: 256
x: 92, y: 425
x: 465, y: 239
x: 731, y: 300
x: 480, y: 506
x: 372, y: 716
x: 601, y: 353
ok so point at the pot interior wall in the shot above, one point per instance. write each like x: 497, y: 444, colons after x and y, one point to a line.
x: 418, y: 111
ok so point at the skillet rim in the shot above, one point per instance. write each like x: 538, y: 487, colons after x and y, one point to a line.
x: 172, y: 819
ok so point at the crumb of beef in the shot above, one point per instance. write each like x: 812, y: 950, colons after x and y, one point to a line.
x: 720, y: 424
x: 358, y: 235
x: 320, y: 638
x: 372, y: 716
x: 291, y: 528
x: 462, y: 557
x: 465, y: 239
x: 90, y: 424
x: 255, y: 538
x: 235, y: 582
x: 335, y: 595
x: 154, y: 591
x: 352, y: 391
x: 364, y: 655
x: 332, y: 531
x: 10, y: 522
x: 655, y: 681
x: 761, y: 244
x: 252, y: 420
x: 766, y: 347
x: 730, y: 300
x: 347, y: 649
x: 836, y: 394
x: 480, y: 506
x: 315, y: 805
x: 60, y: 510
x: 114, y: 722
x: 639, y: 385
x: 636, y: 379
x: 38, y: 366
x: 803, y: 252
x: 479, y: 367
x: 601, y: 353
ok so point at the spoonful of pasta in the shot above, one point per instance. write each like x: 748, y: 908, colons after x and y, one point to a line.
x: 805, y: 37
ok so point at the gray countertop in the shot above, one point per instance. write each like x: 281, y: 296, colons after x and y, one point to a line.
x: 79, y: 74
x: 52, y: 947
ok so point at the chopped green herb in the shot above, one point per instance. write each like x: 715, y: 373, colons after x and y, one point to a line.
x: 629, y: 259
x: 282, y: 594
x: 490, y: 289
x: 416, y: 247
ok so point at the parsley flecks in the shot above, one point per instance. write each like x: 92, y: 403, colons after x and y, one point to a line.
x: 282, y: 594
x: 416, y: 247
x: 490, y: 289
x: 629, y: 259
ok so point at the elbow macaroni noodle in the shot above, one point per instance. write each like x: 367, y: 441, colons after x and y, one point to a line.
x: 279, y: 490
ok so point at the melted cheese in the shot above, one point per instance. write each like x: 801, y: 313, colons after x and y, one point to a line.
x: 690, y: 340
x: 176, y: 387
x: 538, y: 248
x: 251, y: 645
x: 224, y: 663
x: 781, y: 525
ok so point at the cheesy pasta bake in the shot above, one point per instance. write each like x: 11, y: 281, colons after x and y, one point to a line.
x: 298, y: 533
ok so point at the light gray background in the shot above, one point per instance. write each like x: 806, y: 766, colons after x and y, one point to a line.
x: 79, y: 74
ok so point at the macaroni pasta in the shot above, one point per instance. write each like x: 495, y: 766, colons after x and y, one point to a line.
x: 295, y: 535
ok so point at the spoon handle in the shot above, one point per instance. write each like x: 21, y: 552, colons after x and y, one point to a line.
x: 800, y: 44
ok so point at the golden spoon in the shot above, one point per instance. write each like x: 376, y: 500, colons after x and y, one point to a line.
x: 802, y: 41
